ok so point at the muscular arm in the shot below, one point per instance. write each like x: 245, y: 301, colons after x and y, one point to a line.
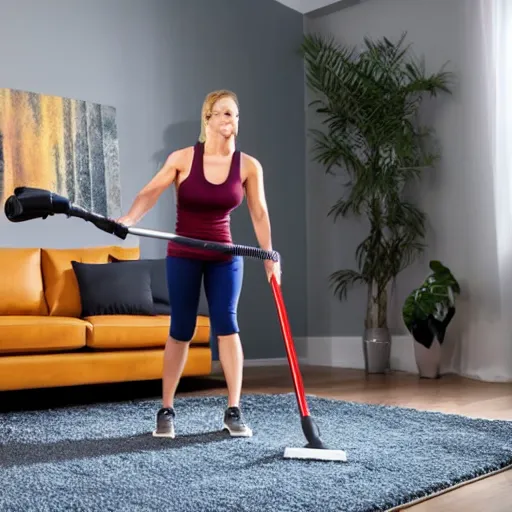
x: 148, y: 196
x: 256, y: 201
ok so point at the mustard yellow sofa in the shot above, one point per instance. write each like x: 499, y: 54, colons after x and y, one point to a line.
x: 44, y: 341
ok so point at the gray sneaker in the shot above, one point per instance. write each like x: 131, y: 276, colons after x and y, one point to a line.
x: 165, y: 423
x: 235, y: 424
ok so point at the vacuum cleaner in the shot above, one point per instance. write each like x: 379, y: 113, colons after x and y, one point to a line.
x: 28, y: 203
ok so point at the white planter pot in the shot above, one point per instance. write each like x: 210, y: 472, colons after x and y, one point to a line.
x: 428, y: 360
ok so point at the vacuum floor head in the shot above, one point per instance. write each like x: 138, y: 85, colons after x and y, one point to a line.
x: 315, y: 454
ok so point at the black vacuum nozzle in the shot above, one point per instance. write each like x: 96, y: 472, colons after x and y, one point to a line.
x: 29, y: 203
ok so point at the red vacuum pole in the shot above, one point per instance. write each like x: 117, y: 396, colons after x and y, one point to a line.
x: 290, y: 347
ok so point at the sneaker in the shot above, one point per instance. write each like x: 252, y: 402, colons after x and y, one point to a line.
x: 165, y: 423
x: 235, y: 424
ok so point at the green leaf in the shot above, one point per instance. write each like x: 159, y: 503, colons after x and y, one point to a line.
x: 343, y: 280
x: 434, y: 297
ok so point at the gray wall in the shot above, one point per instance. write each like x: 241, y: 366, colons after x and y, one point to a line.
x: 463, y: 196
x: 439, y: 30
x: 155, y: 60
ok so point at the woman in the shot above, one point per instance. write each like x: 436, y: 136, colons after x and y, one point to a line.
x: 211, y: 179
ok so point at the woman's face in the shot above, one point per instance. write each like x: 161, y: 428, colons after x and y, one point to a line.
x: 224, y: 118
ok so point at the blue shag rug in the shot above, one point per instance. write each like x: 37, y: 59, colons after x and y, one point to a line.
x: 103, y: 457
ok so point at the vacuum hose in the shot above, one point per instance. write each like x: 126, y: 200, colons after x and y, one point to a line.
x: 28, y: 203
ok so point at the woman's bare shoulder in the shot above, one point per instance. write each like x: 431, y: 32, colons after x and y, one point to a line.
x: 249, y: 160
x: 250, y: 165
x: 181, y: 158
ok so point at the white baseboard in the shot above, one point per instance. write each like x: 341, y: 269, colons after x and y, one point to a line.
x: 347, y: 352
x: 248, y: 363
x: 339, y: 352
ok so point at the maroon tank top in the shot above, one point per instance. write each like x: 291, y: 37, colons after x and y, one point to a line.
x: 204, y: 209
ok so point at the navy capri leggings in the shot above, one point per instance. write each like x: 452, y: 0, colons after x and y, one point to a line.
x: 222, y: 286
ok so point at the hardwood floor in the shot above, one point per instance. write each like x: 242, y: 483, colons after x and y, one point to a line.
x: 450, y: 394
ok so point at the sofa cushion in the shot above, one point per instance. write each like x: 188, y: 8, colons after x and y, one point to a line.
x: 114, y: 289
x: 24, y: 334
x: 73, y: 368
x: 21, y: 282
x: 130, y: 331
x: 61, y: 287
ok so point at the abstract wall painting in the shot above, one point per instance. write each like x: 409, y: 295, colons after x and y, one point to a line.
x: 68, y: 146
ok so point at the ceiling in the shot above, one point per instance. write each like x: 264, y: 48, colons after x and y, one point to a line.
x: 306, y: 6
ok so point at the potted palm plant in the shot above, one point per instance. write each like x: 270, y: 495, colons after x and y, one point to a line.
x: 368, y: 100
x: 427, y: 312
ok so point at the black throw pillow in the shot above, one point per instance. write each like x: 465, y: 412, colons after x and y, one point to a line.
x: 158, y: 273
x: 162, y: 309
x: 159, y: 286
x: 121, y: 289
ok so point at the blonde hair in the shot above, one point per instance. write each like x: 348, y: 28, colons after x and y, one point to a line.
x: 210, y: 100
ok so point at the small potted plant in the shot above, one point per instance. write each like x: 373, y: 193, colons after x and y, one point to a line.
x: 427, y: 311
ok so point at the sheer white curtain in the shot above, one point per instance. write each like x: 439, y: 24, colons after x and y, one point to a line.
x: 502, y: 163
x: 485, y: 345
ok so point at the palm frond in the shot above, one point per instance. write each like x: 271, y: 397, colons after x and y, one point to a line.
x: 343, y: 280
x: 368, y: 99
